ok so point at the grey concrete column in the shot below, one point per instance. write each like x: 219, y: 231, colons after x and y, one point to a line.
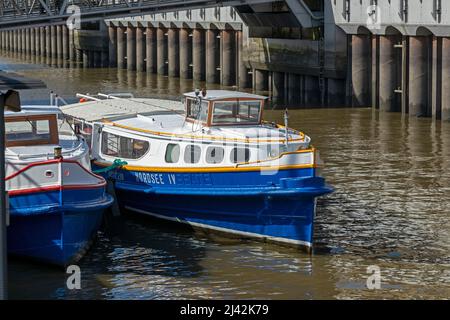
x: 198, y: 54
x: 43, y: 41
x: 375, y: 72
x: 65, y: 42
x: 360, y: 77
x: 37, y: 42
x: 445, y: 79
x: 112, y: 46
x: 261, y: 80
x: 85, y: 54
x: 278, y: 86
x: 59, y: 44
x: 388, y: 78
x: 19, y: 41
x: 72, y: 49
x: 91, y: 59
x: 161, y: 54
x: 53, y: 42
x: 31, y: 41
x: 212, y: 55
x: 310, y: 91
x: 173, y: 53
x: 228, y: 66
x: 150, y: 52
x: 418, y: 76
x: 185, y: 54
x: 131, y: 48
x: 121, y: 47
x: 15, y: 40
x: 243, y: 76
x: 48, y: 41
x: 24, y: 41
x: 140, y: 49
x: 28, y: 40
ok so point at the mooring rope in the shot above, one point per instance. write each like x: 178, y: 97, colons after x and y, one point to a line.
x: 116, y: 164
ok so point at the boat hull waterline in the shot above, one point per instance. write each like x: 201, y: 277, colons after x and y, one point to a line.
x: 242, y: 204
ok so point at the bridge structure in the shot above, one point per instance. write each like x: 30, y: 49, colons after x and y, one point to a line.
x: 34, y: 12
x: 392, y: 55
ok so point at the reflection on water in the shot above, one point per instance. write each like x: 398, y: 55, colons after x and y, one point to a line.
x: 391, y: 209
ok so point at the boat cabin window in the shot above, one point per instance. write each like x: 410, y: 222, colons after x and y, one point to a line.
x: 123, y: 147
x: 192, y: 154
x: 236, y: 112
x: 240, y: 155
x: 172, y: 153
x: 196, y: 111
x: 214, y: 154
x: 31, y: 130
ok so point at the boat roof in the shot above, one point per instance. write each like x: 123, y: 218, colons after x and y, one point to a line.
x: 34, y: 110
x: 225, y: 94
x: 109, y: 109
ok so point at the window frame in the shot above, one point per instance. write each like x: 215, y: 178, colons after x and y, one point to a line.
x: 215, y: 147
x: 237, y: 162
x: 185, y: 152
x: 122, y: 136
x: 52, y: 127
x: 212, y: 105
x: 179, y: 153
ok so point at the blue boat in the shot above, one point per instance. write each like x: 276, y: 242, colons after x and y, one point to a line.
x: 210, y: 162
x: 56, y: 203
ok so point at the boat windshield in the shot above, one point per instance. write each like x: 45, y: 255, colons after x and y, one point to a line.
x: 197, y: 111
x: 236, y: 112
x: 31, y: 130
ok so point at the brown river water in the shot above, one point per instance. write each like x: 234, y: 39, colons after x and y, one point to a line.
x: 390, y: 209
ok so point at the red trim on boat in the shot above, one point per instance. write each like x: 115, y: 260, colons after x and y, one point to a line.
x: 34, y: 164
x: 56, y: 188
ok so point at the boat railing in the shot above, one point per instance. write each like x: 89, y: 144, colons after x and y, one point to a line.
x: 99, y: 96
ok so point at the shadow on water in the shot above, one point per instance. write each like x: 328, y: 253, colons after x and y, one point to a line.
x: 390, y: 209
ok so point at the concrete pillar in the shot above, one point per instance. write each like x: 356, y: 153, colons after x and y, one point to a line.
x: 161, y: 54
x: 37, y: 41
x: 375, y: 72
x: 228, y: 66
x: 360, y: 60
x: 53, y: 41
x: 121, y: 47
x: 59, y: 44
x: 198, y: 55
x: 131, y: 48
x: 261, y: 80
x: 91, y: 59
x: 185, y: 54
x: 278, y: 86
x: 418, y: 76
x: 243, y: 77
x: 19, y: 41
x: 72, y: 49
x: 32, y: 41
x: 173, y: 52
x: 446, y: 79
x: 85, y: 54
x: 48, y: 41
x: 28, y: 40
x: 212, y: 55
x: 388, y: 78
x: 112, y: 46
x: 65, y: 42
x: 43, y: 41
x: 150, y: 52
x: 15, y: 39
x: 24, y: 41
x: 140, y: 49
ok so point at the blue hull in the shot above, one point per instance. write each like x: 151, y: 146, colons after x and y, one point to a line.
x: 43, y: 229
x: 278, y: 208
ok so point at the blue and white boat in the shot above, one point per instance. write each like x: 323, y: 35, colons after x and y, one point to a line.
x: 209, y: 161
x: 56, y: 203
